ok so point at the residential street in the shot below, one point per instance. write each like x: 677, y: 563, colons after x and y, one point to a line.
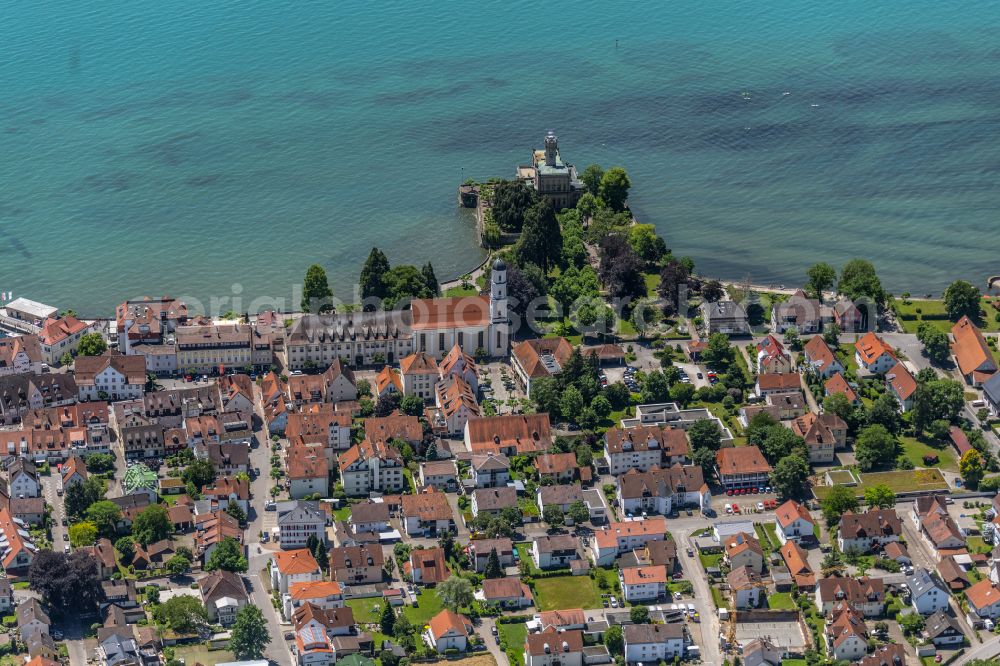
x: 923, y: 556
x: 259, y: 556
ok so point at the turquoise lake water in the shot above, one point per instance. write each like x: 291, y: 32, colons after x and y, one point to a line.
x: 184, y: 148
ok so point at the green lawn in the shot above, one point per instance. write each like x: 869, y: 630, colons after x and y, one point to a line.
x: 366, y: 610
x: 343, y: 513
x: 976, y: 544
x: 845, y: 354
x: 765, y: 543
x: 461, y: 291
x: 709, y: 560
x: 562, y: 592
x: 718, y: 598
x: 524, y: 553
x: 428, y: 605
x: 781, y: 601
x: 915, y: 450
x: 195, y: 654
x: 935, y: 307
x: 652, y: 282
x: 512, y: 637
x: 794, y: 662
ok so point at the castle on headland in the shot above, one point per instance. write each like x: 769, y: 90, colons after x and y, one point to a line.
x: 550, y: 176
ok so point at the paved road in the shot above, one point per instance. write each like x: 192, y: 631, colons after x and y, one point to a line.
x: 259, y: 557
x: 986, y: 650
x: 49, y: 484
x: 924, y: 556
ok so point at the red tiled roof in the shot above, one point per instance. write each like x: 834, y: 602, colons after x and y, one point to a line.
x: 452, y: 312
x: 970, y: 349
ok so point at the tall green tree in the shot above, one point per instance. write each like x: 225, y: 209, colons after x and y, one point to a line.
x: 875, y: 447
x: 934, y: 400
x: 186, y: 614
x: 839, y: 500
x: 935, y: 342
x: 455, y: 592
x: 228, y: 556
x: 511, y: 201
x: 373, y: 272
x: 200, y: 472
x: 615, y: 185
x: 91, y: 344
x: 541, y: 239
x: 578, y: 512
x: 387, y: 619
x: 316, y: 293
x: 705, y: 434
x: 880, y: 496
x: 430, y: 280
x: 151, y: 525
x: 858, y: 280
x: 962, y: 299
x: 821, y: 278
x: 493, y: 568
x: 789, y: 476
x: 972, y: 468
x: 250, y: 635
x: 105, y: 516
x: 591, y: 179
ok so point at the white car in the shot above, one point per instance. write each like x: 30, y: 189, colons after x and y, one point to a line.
x: 614, y: 602
x: 729, y: 508
x: 760, y: 506
x: 677, y: 595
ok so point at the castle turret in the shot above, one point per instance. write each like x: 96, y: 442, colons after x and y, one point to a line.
x: 551, y: 148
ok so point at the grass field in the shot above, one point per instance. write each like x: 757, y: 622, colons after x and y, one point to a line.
x: 461, y: 291
x: 794, y: 662
x: 366, y: 610
x: 652, y: 282
x: 936, y: 307
x: 845, y: 354
x: 560, y: 592
x: 199, y: 654
x: 717, y: 598
x: 900, y: 481
x: 524, y: 553
x: 780, y: 601
x: 512, y: 635
x: 915, y: 450
x: 709, y: 560
x: 975, y: 544
x: 428, y: 605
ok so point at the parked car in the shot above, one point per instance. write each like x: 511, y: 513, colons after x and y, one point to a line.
x: 760, y: 506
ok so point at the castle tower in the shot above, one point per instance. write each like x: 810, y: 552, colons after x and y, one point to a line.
x: 551, y: 148
x: 499, y: 320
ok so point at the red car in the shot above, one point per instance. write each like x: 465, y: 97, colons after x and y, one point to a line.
x: 730, y: 492
x: 736, y: 508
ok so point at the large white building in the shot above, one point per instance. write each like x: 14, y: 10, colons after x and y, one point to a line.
x: 110, y: 376
x: 472, y: 322
x: 369, y: 466
x: 653, y: 643
x: 297, y: 521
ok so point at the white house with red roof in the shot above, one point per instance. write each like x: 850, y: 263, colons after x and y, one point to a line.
x: 772, y: 357
x: 873, y: 354
x: 293, y: 566
x: 793, y: 521
x: 61, y: 336
x: 820, y: 359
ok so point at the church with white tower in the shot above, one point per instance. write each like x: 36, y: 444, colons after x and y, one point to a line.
x: 471, y: 322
